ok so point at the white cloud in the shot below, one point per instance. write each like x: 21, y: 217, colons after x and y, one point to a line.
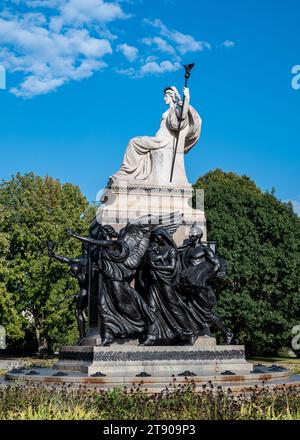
x: 34, y: 85
x: 184, y: 43
x: 228, y: 43
x: 154, y: 68
x: 130, y: 52
x: 37, y: 3
x: 48, y: 59
x: 128, y: 72
x: 160, y: 43
x: 150, y: 58
x: 105, y: 33
x: 43, y: 3
x: 57, y: 41
x: 150, y: 68
x: 68, y: 43
x: 82, y: 12
x: 77, y: 13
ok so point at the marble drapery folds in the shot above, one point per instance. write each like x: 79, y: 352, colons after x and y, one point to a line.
x: 138, y: 159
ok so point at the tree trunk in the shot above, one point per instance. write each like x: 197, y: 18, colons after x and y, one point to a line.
x: 42, y: 343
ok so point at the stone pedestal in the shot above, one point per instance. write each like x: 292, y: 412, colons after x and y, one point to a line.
x: 124, y: 201
x: 130, y: 360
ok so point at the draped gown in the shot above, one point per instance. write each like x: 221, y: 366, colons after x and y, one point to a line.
x: 171, y: 318
x: 137, y: 163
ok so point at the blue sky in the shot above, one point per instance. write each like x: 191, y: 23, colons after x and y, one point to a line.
x: 84, y: 76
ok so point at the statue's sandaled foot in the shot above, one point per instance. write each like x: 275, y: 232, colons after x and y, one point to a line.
x: 107, y: 341
x: 192, y: 339
x: 187, y: 337
x: 150, y: 340
x: 229, y: 338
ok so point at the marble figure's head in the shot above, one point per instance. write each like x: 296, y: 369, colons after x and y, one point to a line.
x: 171, y: 94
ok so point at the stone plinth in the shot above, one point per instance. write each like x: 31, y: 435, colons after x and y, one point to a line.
x: 205, y: 357
x: 125, y: 201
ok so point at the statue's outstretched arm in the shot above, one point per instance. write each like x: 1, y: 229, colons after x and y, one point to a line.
x: 99, y: 243
x: 65, y: 260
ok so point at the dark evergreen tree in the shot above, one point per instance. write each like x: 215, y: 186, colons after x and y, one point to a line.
x: 259, y: 236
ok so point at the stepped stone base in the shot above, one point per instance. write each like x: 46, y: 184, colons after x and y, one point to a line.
x: 124, y: 201
x: 205, y: 357
x: 153, y: 369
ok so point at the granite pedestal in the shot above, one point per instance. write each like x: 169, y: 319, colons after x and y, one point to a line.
x: 125, y: 201
x: 205, y: 357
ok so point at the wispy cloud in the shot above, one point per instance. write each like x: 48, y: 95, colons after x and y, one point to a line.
x: 48, y: 59
x: 160, y: 44
x: 228, y: 44
x: 184, y: 43
x: 130, y: 71
x: 82, y: 12
x: 155, y: 68
x: 42, y: 3
x: 150, y: 67
x: 130, y: 52
x: 52, y: 42
x: 53, y: 49
x: 167, y: 41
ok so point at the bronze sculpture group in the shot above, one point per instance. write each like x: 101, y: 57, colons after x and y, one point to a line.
x: 147, y: 287
x: 143, y: 285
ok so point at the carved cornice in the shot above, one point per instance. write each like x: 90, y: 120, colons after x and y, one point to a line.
x: 118, y: 189
x: 136, y: 356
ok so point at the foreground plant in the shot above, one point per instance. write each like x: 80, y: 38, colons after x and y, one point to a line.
x: 27, y: 402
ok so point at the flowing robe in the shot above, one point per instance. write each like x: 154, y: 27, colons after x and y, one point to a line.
x: 171, y: 318
x: 196, y: 289
x: 138, y: 160
x: 123, y: 313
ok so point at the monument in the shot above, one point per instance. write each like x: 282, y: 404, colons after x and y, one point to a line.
x: 147, y: 274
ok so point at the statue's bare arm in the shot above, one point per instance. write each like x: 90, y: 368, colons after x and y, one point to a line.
x: 170, y: 267
x: 187, y: 100
x: 65, y: 260
x: 213, y: 259
x: 99, y: 243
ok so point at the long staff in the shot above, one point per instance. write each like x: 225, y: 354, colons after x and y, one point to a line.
x: 188, y: 68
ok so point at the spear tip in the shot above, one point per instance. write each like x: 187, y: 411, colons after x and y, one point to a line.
x: 188, y: 67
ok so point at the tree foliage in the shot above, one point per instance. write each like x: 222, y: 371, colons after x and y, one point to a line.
x: 259, y: 236
x: 256, y: 233
x: 40, y: 291
x: 8, y: 315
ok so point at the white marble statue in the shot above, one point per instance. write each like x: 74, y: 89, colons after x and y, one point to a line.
x: 149, y: 159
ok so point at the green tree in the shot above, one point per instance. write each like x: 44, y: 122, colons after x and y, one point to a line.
x: 41, y: 290
x: 259, y: 236
x: 8, y: 315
